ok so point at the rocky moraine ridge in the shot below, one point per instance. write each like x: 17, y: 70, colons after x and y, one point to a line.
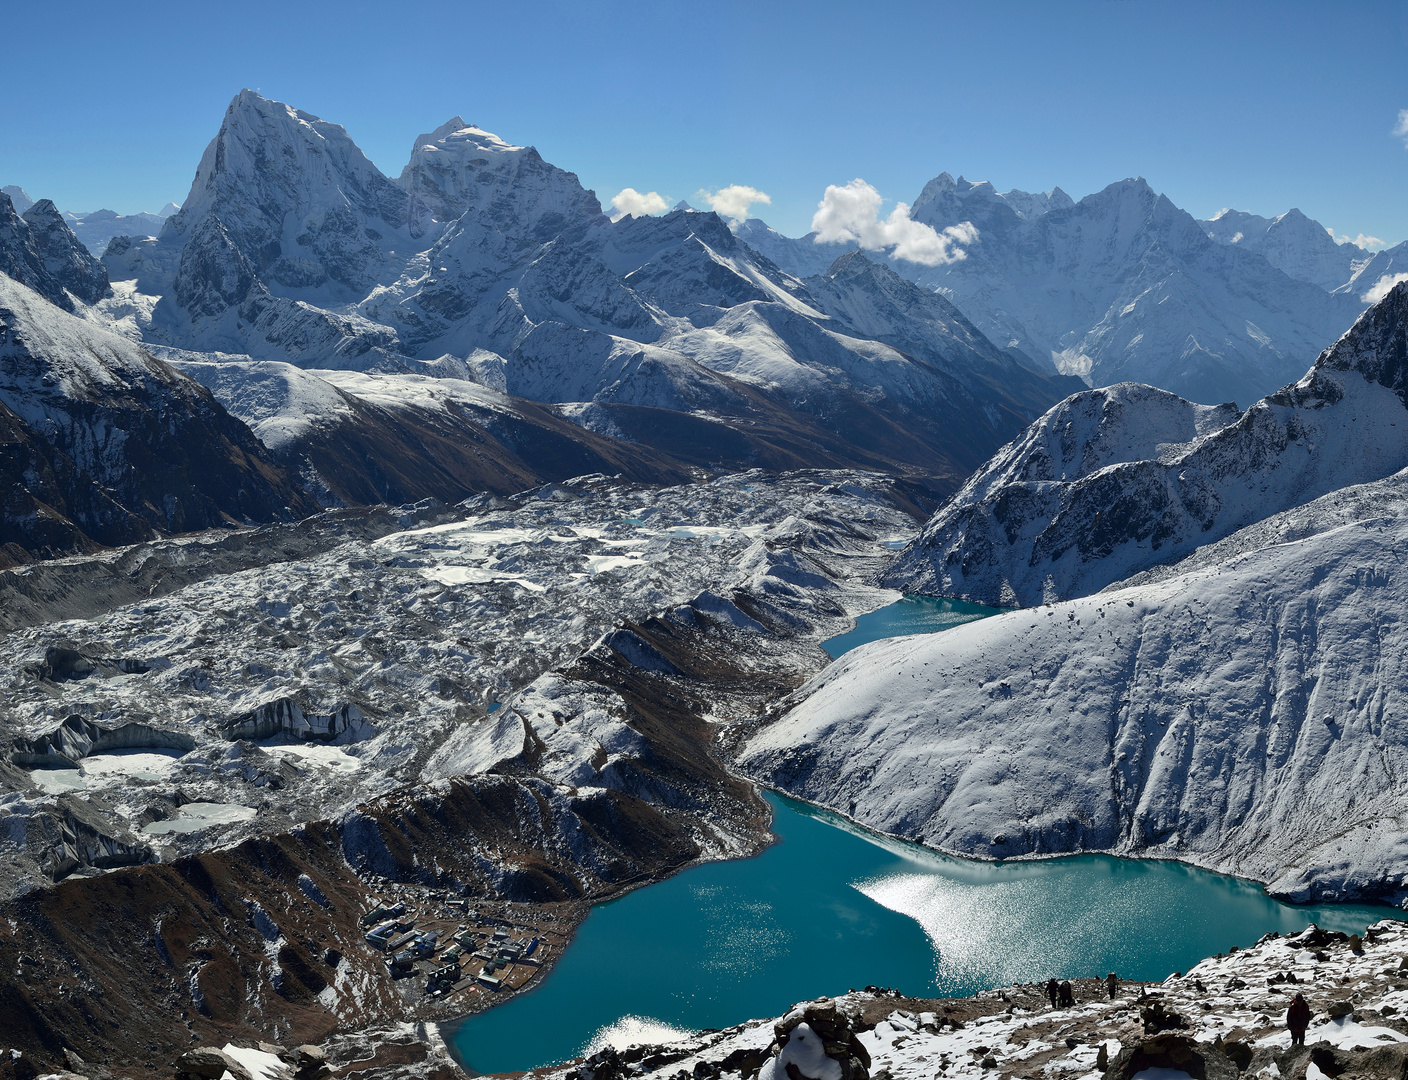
x: 510, y: 702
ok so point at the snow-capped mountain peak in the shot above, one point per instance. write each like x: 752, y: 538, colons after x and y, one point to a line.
x: 460, y: 166
x: 456, y: 132
x: 296, y: 195
x: 18, y: 196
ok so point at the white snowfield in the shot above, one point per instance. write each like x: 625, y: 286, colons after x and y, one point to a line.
x: 1112, y: 482
x: 1248, y: 716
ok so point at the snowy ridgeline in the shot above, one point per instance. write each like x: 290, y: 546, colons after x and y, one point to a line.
x: 1115, y: 481
x: 1247, y: 715
x: 309, y: 685
x: 483, y: 262
x: 1223, y: 1017
x: 1123, y: 285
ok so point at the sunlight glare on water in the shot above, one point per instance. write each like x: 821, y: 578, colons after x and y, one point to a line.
x: 633, y: 1031
x: 833, y: 906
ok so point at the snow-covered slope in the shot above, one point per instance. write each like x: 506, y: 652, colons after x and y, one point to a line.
x: 111, y: 445
x: 357, y: 438
x: 1113, y: 481
x: 1246, y: 716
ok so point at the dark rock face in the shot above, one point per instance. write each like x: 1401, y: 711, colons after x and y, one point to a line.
x: 1202, y: 1061
x: 1377, y: 346
x: 214, y: 274
x: 101, y: 444
x: 40, y: 250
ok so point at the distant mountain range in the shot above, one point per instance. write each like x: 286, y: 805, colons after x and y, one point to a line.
x: 484, y: 263
x: 1124, y: 286
x: 477, y: 323
x: 95, y: 228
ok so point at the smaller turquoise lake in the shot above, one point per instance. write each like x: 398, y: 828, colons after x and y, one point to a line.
x: 910, y: 615
x: 831, y: 906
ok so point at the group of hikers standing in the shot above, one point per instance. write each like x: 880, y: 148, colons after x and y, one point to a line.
x: 1062, y: 996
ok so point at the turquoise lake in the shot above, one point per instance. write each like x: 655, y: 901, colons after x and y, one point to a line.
x: 910, y: 615
x: 831, y: 906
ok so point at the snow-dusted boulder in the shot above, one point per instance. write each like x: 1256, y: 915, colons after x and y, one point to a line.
x: 1114, y: 481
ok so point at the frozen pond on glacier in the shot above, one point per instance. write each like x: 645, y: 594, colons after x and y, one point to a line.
x: 832, y: 906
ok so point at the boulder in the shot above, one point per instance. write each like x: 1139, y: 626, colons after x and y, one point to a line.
x: 1157, y: 1018
x: 310, y: 1063
x: 816, y: 1041
x: 1202, y: 1061
x: 208, y: 1063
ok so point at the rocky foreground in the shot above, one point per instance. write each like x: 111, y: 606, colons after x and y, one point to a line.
x: 1222, y: 1019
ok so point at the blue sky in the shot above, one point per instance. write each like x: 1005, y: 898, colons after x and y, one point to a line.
x: 1255, y: 106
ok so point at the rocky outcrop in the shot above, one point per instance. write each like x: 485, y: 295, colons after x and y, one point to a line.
x: 39, y: 250
x: 66, y: 261
x: 815, y: 1040
x: 103, y: 444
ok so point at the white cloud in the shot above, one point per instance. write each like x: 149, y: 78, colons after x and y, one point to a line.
x: 638, y: 203
x: 851, y: 214
x: 1362, y: 242
x: 1400, y: 129
x: 733, y: 201
x: 1382, y: 287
